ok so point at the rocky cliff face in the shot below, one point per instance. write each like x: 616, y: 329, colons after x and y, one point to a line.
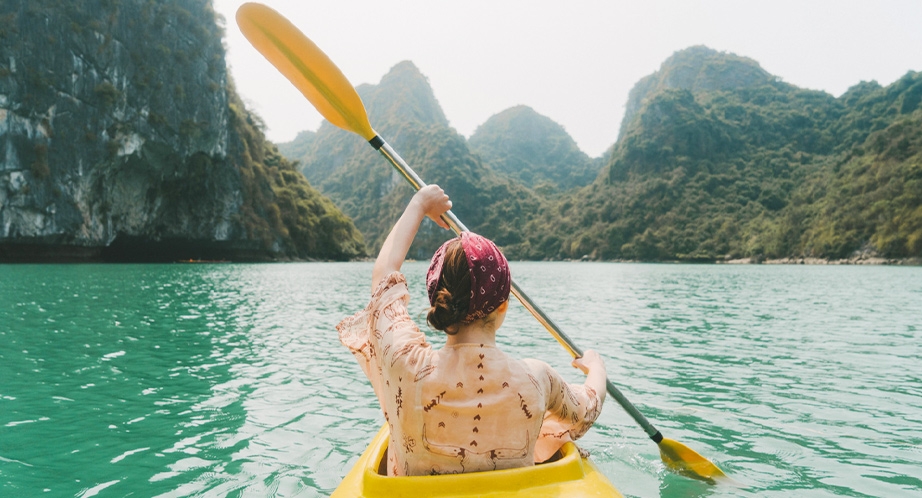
x: 121, y: 138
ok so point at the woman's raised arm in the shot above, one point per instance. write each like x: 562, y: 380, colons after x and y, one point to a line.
x: 429, y: 201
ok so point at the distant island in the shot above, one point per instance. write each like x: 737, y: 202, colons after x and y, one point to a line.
x: 716, y: 161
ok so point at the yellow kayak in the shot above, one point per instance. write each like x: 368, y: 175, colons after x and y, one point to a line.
x: 569, y: 476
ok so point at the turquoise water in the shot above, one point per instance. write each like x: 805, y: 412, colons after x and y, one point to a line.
x: 228, y: 380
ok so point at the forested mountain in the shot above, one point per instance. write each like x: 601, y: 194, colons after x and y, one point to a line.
x: 758, y: 168
x: 522, y: 144
x: 403, y: 109
x: 716, y: 159
x: 122, y: 138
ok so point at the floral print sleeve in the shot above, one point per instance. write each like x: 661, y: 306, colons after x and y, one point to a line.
x: 383, y: 337
x: 395, y: 356
x: 571, y: 410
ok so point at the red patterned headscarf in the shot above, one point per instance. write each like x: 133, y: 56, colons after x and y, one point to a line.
x: 490, y: 277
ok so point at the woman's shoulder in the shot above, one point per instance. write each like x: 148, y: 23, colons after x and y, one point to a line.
x: 536, y: 365
x: 391, y: 287
x: 540, y: 371
x: 390, y: 281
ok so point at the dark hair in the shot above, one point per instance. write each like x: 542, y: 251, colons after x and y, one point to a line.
x: 453, y: 293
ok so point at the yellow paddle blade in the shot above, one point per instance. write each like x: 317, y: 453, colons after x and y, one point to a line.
x: 687, y: 461
x: 306, y: 66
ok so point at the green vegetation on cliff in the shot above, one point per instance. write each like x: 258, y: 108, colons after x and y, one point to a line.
x: 869, y: 198
x: 769, y: 171
x: 280, y: 207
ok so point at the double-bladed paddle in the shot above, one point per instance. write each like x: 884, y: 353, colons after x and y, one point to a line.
x: 325, y: 86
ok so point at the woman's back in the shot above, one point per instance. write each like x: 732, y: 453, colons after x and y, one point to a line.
x: 479, y: 410
x: 463, y: 408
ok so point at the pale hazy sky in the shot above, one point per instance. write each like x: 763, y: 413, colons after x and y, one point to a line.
x: 573, y: 61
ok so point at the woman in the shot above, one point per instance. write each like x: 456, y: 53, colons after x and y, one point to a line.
x: 467, y: 407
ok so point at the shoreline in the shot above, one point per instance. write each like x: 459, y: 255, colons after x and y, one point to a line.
x: 860, y: 260
x: 857, y: 260
x: 54, y: 254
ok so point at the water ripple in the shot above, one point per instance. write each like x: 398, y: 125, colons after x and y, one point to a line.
x: 178, y: 380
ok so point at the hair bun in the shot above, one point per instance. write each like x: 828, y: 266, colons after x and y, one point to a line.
x: 445, y: 312
x: 450, y: 291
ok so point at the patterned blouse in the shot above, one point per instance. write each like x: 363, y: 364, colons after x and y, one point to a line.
x: 463, y: 408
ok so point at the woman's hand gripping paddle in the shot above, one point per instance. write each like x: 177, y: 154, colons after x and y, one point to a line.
x: 325, y: 86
